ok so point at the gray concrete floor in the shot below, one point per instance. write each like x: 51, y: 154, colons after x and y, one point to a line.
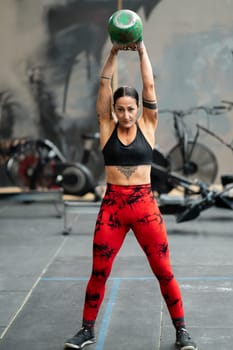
x: 43, y: 276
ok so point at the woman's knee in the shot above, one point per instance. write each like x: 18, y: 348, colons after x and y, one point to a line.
x: 165, y: 277
x: 100, y: 275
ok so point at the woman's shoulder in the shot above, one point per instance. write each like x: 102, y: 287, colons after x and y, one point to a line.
x: 106, y: 130
x: 146, y: 122
x: 147, y: 129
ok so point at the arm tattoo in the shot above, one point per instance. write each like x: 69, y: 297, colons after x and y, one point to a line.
x: 151, y: 104
x: 104, y: 77
x: 127, y: 170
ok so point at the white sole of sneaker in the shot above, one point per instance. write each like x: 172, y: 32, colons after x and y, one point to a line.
x: 73, y: 346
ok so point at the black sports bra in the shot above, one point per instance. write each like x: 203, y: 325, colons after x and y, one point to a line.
x: 138, y: 152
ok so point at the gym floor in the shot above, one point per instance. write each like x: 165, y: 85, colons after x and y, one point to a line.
x: 43, y: 277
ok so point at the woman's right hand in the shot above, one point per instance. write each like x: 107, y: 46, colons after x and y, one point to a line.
x: 115, y: 49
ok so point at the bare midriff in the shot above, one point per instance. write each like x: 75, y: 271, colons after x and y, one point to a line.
x: 128, y: 175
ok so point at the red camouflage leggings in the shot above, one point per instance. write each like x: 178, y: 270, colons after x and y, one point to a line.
x: 124, y: 208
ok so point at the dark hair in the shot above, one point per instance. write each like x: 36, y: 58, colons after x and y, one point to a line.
x: 125, y: 91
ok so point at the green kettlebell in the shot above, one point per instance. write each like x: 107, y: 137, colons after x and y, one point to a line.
x: 125, y: 27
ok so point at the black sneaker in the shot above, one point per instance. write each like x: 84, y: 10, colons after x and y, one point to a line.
x: 184, y: 341
x: 84, y: 337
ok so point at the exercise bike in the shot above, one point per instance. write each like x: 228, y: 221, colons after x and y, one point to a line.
x: 38, y: 164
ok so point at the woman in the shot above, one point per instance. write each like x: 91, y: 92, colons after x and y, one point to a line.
x: 127, y: 142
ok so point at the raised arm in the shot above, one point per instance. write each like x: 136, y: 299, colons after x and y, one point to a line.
x: 105, y: 94
x: 149, y: 99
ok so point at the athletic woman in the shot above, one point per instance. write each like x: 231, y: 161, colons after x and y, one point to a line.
x: 127, y: 141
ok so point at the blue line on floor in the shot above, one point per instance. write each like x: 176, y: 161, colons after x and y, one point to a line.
x: 107, y: 315
x: 146, y: 278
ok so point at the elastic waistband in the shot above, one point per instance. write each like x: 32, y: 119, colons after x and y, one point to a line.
x: 128, y: 188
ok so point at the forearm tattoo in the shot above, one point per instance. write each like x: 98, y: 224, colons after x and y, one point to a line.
x: 127, y: 170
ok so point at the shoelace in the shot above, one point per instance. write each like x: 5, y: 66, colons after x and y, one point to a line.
x: 183, y: 332
x: 86, y: 331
